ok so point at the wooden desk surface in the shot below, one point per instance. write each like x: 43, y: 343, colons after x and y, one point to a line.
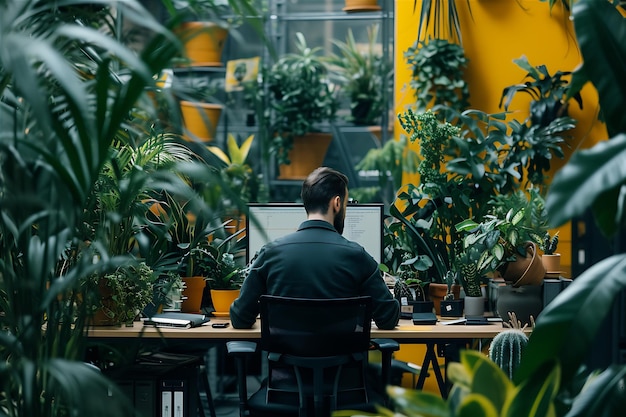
x: 405, y: 331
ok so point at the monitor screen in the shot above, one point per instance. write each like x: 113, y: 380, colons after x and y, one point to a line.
x: 363, y: 224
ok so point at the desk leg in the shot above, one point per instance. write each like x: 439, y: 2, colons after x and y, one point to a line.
x: 431, y: 358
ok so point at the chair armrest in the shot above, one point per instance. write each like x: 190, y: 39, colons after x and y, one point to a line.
x: 240, y: 348
x: 385, y: 345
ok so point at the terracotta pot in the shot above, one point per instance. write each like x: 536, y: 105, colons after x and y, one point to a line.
x: 436, y: 293
x: 222, y: 299
x: 527, y: 270
x: 192, y: 294
x: 204, y: 43
x: 361, y: 6
x: 200, y: 120
x: 552, y: 263
x: 307, y: 154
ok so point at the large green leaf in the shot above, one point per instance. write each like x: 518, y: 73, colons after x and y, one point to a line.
x: 588, y: 174
x: 602, y: 395
x: 601, y: 35
x: 567, y: 327
x: 535, y: 396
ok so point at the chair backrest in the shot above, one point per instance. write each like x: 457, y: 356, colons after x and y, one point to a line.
x: 315, y: 327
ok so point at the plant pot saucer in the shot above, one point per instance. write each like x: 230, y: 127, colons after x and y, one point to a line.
x: 220, y: 313
x: 361, y: 9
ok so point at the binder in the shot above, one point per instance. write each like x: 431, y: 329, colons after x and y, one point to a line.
x: 166, y: 404
x: 179, y: 406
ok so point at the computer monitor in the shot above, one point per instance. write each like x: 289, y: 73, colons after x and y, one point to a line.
x: 363, y: 224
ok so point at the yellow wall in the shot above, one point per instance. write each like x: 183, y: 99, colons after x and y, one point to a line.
x: 496, y: 32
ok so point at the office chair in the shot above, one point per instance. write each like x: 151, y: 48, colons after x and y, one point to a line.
x: 317, y: 354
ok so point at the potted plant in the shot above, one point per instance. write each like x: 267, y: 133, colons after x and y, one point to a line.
x: 121, y: 294
x: 470, y: 274
x: 300, y: 98
x: 551, y: 260
x: 224, y: 271
x: 364, y: 76
x: 203, y: 26
x: 200, y: 109
x: 451, y: 306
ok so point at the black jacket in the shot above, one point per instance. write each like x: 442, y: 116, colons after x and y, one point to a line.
x: 314, y: 262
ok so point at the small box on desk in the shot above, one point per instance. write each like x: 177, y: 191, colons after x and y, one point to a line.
x: 407, y: 310
x: 451, y: 308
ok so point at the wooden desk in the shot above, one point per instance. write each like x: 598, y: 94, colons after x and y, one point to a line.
x: 455, y: 335
x: 405, y: 332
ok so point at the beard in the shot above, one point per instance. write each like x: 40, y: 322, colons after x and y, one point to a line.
x: 338, y: 221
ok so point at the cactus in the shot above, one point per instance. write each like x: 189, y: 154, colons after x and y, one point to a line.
x: 506, y: 350
x: 507, y: 347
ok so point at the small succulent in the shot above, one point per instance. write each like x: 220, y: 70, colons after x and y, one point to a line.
x: 550, y: 243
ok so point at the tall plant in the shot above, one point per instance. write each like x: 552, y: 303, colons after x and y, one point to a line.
x: 67, y: 92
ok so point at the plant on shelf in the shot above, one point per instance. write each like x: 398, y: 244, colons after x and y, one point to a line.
x: 391, y: 161
x: 364, y: 75
x: 301, y: 96
x: 237, y: 173
x: 437, y: 67
x: 204, y: 25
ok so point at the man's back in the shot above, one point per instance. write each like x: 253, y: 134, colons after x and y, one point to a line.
x: 315, y: 262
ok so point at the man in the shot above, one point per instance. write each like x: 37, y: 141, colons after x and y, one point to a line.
x: 316, y: 261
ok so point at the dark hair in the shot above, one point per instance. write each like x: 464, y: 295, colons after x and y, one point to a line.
x: 320, y: 187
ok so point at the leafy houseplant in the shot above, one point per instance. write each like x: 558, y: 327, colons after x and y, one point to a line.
x: 543, y: 134
x: 122, y: 294
x: 437, y: 67
x: 364, y: 75
x: 301, y: 96
x: 549, y: 93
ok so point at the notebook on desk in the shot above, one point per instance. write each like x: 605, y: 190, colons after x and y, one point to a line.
x: 424, y: 318
x: 175, y: 319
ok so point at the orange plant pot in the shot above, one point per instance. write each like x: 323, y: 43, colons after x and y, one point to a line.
x: 352, y: 6
x: 222, y: 299
x: 200, y: 120
x: 204, y: 43
x: 192, y: 294
x: 307, y: 154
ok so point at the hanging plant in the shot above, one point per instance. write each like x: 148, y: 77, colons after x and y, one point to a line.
x: 437, y: 67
